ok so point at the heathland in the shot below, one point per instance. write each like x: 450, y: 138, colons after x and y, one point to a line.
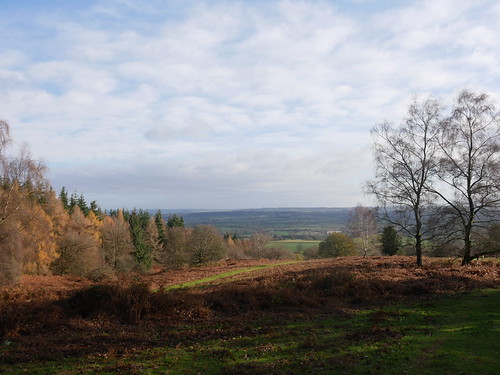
x: 375, y: 315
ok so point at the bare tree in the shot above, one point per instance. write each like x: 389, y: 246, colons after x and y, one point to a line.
x: 405, y: 158
x: 257, y: 244
x: 363, y: 225
x: 469, y: 167
x: 206, y: 245
x: 26, y: 171
x: 21, y: 182
x: 4, y: 135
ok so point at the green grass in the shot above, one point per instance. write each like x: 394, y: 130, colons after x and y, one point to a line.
x: 452, y: 335
x: 209, y: 279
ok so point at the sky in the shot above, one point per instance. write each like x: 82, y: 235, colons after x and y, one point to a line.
x: 230, y: 104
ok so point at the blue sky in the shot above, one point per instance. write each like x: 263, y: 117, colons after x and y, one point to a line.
x: 229, y: 104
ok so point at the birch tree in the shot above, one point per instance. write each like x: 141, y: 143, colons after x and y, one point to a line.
x: 469, y: 168
x: 405, y: 158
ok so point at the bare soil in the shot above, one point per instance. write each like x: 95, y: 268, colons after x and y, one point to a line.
x: 55, y: 317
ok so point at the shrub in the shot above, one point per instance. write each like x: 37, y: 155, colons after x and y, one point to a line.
x: 311, y: 252
x: 337, y: 245
x: 278, y: 252
x: 205, y: 245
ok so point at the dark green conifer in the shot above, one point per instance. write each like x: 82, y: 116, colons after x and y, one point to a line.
x: 390, y: 241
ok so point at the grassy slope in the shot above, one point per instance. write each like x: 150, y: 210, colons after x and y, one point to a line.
x: 224, y: 275
x: 452, y: 335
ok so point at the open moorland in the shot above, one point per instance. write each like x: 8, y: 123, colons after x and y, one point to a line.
x: 379, y: 315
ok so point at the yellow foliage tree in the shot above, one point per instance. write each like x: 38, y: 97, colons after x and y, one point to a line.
x: 39, y: 241
x: 78, y: 247
x: 116, y: 243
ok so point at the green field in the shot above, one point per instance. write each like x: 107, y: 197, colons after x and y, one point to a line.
x: 453, y: 335
x: 296, y: 246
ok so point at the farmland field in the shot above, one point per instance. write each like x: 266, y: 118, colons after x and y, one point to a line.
x: 379, y: 315
x: 282, y: 223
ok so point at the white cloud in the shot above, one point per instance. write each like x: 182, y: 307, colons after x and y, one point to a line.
x: 231, y: 103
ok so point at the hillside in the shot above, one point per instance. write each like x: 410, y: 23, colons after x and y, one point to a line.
x: 248, y: 317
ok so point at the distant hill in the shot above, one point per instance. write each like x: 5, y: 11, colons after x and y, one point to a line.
x: 300, y: 223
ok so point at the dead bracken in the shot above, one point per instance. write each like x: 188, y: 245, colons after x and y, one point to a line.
x: 74, y: 317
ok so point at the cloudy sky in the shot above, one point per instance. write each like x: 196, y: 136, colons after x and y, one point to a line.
x: 229, y: 104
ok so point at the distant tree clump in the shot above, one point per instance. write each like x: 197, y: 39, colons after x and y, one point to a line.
x: 337, y: 245
x: 175, y: 221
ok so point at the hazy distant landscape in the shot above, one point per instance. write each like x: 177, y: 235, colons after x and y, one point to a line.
x: 285, y: 223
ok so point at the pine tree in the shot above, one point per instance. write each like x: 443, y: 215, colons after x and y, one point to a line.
x: 82, y: 203
x: 138, y: 221
x: 175, y: 221
x: 94, y: 207
x: 73, y: 202
x: 160, y: 224
x: 63, y: 196
x: 390, y: 241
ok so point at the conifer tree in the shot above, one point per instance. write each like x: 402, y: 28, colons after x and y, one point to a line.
x: 73, y: 202
x: 153, y: 238
x: 63, y: 196
x: 390, y: 241
x: 117, y: 246
x: 94, y: 207
x: 175, y: 221
x: 38, y: 239
x: 138, y: 221
x: 161, y: 225
x: 82, y: 203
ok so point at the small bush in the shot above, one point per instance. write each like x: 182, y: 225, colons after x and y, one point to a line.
x: 102, y: 274
x: 311, y: 252
x: 337, y: 245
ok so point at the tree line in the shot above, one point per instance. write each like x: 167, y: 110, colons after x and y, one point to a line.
x: 42, y: 232
x: 437, y: 175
